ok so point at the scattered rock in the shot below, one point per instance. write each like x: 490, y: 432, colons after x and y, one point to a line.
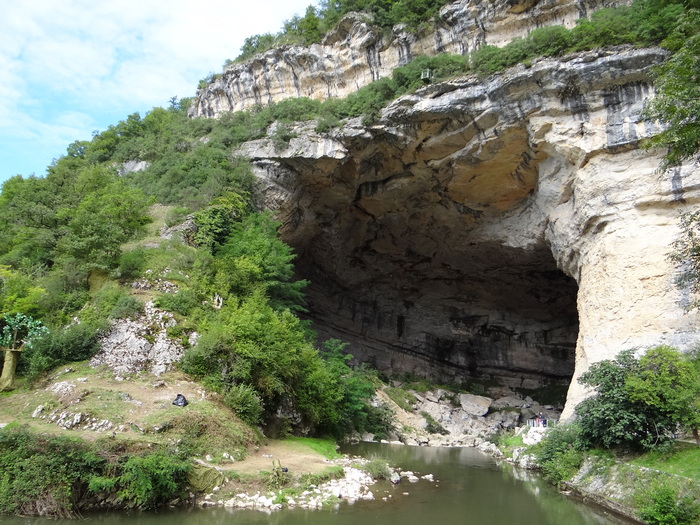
x: 475, y: 405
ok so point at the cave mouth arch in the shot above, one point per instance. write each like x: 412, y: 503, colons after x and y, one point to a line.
x: 488, y: 317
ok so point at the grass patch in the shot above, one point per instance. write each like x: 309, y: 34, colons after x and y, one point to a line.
x: 325, y: 447
x: 432, y: 426
x: 401, y: 397
x: 377, y: 468
x: 683, y: 460
x: 208, y: 430
x: 334, y: 472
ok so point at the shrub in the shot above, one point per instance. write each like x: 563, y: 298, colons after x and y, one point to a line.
x: 660, y: 503
x: 132, y: 263
x: 377, y: 468
x: 43, y: 475
x: 126, y: 306
x: 62, y: 345
x: 281, y: 136
x: 245, y: 402
x: 150, y: 481
x: 560, y: 453
x: 182, y: 302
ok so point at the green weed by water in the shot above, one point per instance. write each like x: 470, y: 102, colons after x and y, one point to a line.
x: 325, y: 447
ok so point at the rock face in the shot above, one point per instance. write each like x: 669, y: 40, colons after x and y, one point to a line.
x: 503, y: 230
x: 356, y: 53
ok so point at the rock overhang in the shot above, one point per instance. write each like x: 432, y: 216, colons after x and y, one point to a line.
x: 471, y: 231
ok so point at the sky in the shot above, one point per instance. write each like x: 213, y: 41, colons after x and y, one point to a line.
x: 71, y: 67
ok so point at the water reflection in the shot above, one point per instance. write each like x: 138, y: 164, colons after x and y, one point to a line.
x: 469, y: 489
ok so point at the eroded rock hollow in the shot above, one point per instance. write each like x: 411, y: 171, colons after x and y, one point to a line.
x: 507, y: 231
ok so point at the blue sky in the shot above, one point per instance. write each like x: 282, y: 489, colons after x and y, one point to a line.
x: 70, y: 67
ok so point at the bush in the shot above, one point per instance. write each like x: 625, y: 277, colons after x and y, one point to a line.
x: 183, y: 302
x: 560, y: 453
x: 62, y: 345
x: 245, y: 402
x: 132, y: 263
x: 125, y: 307
x: 660, y: 503
x: 43, y: 475
x: 377, y: 468
x: 150, y: 481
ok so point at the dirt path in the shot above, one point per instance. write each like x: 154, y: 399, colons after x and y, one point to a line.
x: 298, y: 458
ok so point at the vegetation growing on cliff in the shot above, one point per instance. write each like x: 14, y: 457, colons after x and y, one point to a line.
x: 677, y: 100
x: 316, y: 22
x: 643, y: 23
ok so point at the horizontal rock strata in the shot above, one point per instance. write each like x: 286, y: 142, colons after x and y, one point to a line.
x: 507, y: 230
x: 357, y: 53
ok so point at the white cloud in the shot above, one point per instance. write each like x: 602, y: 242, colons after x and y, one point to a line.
x: 73, y: 66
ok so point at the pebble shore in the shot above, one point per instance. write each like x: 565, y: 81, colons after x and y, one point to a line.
x: 355, y: 485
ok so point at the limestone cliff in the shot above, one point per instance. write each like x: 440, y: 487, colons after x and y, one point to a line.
x: 357, y: 53
x: 507, y: 230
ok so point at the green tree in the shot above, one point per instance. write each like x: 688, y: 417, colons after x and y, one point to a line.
x: 676, y: 104
x: 640, y: 403
x: 17, y: 331
x: 668, y: 383
x: 19, y: 293
x: 254, y: 259
x: 110, y: 214
x: 214, y: 223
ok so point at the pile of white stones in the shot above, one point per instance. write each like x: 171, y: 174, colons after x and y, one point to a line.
x: 353, y: 486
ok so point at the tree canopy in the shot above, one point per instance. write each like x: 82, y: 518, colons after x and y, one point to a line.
x: 676, y: 104
x: 640, y: 403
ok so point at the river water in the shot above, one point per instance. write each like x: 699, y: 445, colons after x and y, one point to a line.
x: 469, y: 489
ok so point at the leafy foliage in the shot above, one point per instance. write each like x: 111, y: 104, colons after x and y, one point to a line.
x: 316, y: 22
x: 150, y: 481
x: 639, y: 403
x: 378, y: 468
x: 42, y: 475
x: 62, y: 345
x: 560, y: 453
x: 245, y: 402
x: 661, y: 503
x: 677, y: 101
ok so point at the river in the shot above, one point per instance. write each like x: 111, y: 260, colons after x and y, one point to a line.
x: 469, y: 489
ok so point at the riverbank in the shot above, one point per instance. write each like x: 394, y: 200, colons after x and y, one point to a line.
x: 235, y: 466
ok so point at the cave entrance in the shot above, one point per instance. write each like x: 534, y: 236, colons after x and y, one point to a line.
x: 486, y: 317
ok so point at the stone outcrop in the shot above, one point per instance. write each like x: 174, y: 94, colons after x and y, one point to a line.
x: 506, y: 230
x: 132, y: 346
x: 357, y: 53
